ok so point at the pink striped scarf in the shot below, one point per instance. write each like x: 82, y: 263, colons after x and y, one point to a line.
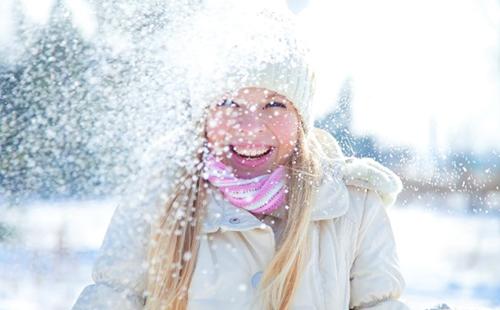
x: 259, y: 195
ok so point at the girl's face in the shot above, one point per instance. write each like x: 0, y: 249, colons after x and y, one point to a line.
x: 252, y: 131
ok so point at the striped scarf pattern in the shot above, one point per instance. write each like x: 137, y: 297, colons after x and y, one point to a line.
x: 259, y: 195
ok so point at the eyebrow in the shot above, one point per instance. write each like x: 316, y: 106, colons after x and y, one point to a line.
x: 271, y: 93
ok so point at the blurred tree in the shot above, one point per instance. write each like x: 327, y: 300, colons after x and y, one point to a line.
x: 45, y: 126
x: 339, y: 124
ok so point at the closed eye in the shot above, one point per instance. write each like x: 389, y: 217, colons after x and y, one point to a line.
x: 227, y: 103
x: 276, y: 104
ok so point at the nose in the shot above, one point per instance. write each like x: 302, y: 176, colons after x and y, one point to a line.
x: 251, y: 122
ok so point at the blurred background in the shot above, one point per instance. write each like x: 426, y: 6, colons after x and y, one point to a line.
x: 412, y: 84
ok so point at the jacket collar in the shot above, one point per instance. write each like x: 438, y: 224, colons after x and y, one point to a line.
x: 330, y: 201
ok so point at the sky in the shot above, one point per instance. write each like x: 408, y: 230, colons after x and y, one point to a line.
x: 417, y: 67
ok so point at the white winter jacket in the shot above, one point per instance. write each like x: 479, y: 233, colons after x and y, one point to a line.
x: 353, y: 261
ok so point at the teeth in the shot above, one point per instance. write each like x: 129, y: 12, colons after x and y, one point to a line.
x: 251, y: 152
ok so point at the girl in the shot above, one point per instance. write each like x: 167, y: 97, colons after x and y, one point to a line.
x: 266, y: 213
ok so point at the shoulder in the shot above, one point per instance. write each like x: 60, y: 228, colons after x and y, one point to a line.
x: 362, y: 186
x: 354, y: 188
x: 362, y: 172
x: 363, y: 203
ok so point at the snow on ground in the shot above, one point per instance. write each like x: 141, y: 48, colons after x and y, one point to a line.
x: 50, y: 259
x: 451, y: 258
x: 446, y: 257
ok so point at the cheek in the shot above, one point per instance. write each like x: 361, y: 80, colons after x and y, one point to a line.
x: 285, y: 129
x: 219, y: 128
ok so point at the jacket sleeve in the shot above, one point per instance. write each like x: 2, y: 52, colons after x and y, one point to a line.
x: 119, y: 273
x: 376, y: 282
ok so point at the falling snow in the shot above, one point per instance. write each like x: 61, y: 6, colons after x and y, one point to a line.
x: 92, y: 116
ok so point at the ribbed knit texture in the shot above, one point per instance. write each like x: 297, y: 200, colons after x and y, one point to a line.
x: 259, y: 195
x: 232, y: 48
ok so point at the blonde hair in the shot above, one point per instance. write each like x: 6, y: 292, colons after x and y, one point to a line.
x: 175, y: 238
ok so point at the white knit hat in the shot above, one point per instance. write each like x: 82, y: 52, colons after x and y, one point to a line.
x: 229, y: 48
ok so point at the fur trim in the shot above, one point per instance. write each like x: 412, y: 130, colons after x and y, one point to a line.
x: 368, y: 173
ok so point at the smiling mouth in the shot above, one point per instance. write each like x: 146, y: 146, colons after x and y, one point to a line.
x: 251, y: 152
